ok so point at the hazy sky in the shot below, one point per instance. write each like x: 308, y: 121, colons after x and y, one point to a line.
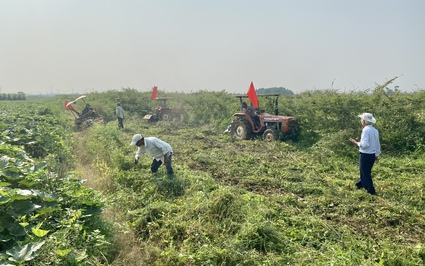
x: 79, y: 46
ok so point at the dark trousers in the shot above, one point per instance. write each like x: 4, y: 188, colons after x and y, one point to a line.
x: 156, y: 164
x: 120, y: 124
x: 366, y: 162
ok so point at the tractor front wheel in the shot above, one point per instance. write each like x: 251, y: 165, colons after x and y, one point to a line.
x: 270, y: 135
x: 241, y: 129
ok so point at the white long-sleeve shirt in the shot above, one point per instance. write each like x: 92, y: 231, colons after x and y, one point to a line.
x: 119, y: 112
x: 155, y: 148
x: 369, y: 141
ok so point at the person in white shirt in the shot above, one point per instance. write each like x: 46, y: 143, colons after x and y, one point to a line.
x: 119, y: 113
x: 370, y: 149
x: 160, y: 150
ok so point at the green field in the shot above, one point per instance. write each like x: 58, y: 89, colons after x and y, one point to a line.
x: 75, y: 197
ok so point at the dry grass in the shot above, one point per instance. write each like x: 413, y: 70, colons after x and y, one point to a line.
x: 128, y: 250
x: 89, y: 174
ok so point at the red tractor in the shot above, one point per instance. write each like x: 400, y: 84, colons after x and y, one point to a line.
x: 163, y: 112
x: 269, y: 127
x: 83, y: 118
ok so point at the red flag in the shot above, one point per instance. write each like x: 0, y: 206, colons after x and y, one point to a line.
x: 68, y: 105
x: 252, y: 95
x: 155, y: 90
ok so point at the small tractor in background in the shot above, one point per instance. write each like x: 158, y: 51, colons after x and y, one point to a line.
x: 163, y: 112
x: 269, y: 127
x: 86, y: 117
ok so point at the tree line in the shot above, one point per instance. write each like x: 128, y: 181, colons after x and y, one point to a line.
x: 12, y: 96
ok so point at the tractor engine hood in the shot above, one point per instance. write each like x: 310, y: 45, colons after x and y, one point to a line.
x: 270, y: 118
x: 275, y: 118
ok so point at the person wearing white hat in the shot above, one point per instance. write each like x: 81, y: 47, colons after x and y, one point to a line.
x: 160, y: 150
x: 370, y: 149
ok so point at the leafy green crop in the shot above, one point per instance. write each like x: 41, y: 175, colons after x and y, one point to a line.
x: 38, y: 202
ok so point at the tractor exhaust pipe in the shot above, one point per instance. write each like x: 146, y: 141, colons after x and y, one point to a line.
x: 276, y: 110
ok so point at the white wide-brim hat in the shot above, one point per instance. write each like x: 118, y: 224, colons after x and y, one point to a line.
x: 135, y: 139
x: 368, y: 117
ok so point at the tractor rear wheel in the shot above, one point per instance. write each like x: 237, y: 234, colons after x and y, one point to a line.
x: 270, y: 135
x: 241, y: 129
x: 166, y: 117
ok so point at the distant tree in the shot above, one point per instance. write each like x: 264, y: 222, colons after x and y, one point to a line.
x: 275, y: 90
x: 21, y: 95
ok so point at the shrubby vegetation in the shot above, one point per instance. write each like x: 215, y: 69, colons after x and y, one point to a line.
x: 231, y: 202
